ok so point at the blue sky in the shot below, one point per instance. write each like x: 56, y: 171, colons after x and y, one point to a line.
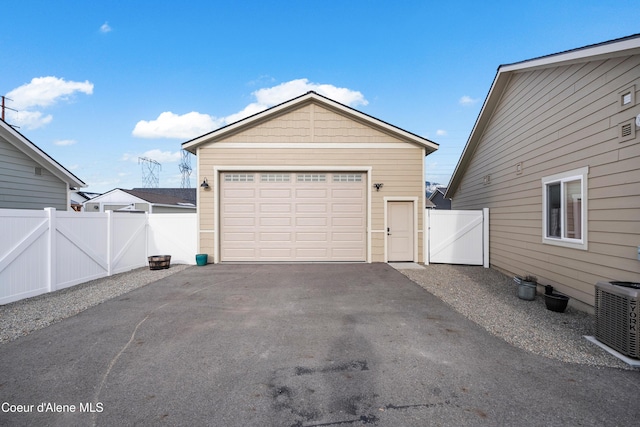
x: 99, y: 84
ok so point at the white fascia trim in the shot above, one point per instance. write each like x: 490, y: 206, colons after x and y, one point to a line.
x: 235, y: 168
x: 588, y: 52
x: 415, y: 223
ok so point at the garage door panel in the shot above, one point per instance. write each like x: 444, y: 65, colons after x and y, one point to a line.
x: 349, y: 221
x: 310, y: 217
x: 239, y: 221
x: 311, y: 237
x: 239, y: 237
x: 240, y: 193
x: 311, y: 207
x: 311, y: 221
x: 347, y: 208
x: 275, y: 254
x: 275, y: 237
x: 311, y: 254
x: 346, y: 237
x: 239, y: 208
x: 275, y: 208
x: 341, y: 193
x: 241, y: 254
x: 347, y: 254
x: 275, y: 193
x: 311, y: 193
x: 275, y: 221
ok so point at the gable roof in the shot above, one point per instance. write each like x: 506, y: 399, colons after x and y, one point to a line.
x: 309, y: 97
x: 183, y: 194
x: 441, y: 190
x: 32, y: 151
x: 625, y: 46
x: 146, y: 195
x: 156, y: 197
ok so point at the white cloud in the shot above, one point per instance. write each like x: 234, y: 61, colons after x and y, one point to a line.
x: 65, y: 142
x: 191, y: 125
x: 42, y: 92
x: 441, y: 132
x: 105, y: 28
x: 467, y: 100
x: 46, y: 91
x: 170, y: 125
x: 268, y: 97
x: 28, y: 119
x: 155, y: 154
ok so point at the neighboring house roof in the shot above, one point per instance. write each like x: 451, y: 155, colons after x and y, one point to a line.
x: 441, y: 190
x: 144, y: 195
x: 625, y: 46
x: 156, y: 198
x: 185, y: 194
x: 309, y: 97
x: 31, y: 150
x: 429, y: 204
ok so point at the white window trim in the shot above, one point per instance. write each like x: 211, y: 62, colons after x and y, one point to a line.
x: 576, y: 174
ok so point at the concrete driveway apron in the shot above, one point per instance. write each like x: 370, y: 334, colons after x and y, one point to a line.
x: 294, y: 345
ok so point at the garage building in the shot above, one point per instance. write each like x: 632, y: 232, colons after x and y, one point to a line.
x: 311, y: 180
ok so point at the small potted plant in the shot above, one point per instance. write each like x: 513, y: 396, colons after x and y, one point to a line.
x: 555, y: 301
x: 527, y: 286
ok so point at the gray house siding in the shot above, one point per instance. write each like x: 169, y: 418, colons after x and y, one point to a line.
x: 549, y: 121
x: 20, y: 185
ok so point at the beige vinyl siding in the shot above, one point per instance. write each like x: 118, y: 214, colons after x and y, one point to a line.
x: 400, y: 169
x: 21, y: 188
x: 312, y: 123
x: 553, y: 121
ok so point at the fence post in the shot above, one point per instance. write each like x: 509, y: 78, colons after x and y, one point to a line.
x: 52, y: 260
x: 485, y: 237
x: 427, y: 236
x: 109, y: 243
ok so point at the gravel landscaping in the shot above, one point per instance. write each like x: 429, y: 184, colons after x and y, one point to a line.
x: 485, y: 296
x: 22, y: 317
x: 488, y: 298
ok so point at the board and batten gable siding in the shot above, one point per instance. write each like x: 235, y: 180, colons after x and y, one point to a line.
x: 334, y: 142
x: 22, y: 188
x: 311, y: 123
x: 550, y: 121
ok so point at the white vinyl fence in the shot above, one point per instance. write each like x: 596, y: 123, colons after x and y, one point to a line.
x: 44, y: 251
x: 458, y: 237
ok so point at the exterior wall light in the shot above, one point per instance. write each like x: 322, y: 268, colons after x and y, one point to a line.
x: 378, y: 186
x: 205, y: 184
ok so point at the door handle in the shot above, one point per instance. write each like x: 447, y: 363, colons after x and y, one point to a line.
x: 388, y: 231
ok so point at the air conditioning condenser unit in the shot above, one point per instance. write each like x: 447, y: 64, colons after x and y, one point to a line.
x: 617, y: 316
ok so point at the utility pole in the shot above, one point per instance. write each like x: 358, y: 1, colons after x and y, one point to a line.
x: 4, y: 107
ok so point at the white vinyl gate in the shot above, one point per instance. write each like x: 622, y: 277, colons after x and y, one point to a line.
x: 44, y: 251
x: 458, y: 237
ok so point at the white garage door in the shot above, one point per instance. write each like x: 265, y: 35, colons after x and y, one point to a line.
x: 268, y: 216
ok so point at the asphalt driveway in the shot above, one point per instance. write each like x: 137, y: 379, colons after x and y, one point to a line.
x: 294, y: 345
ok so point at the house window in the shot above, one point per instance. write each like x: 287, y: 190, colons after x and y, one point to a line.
x: 565, y: 209
x: 311, y: 177
x: 347, y: 177
x: 274, y: 177
x: 238, y: 177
